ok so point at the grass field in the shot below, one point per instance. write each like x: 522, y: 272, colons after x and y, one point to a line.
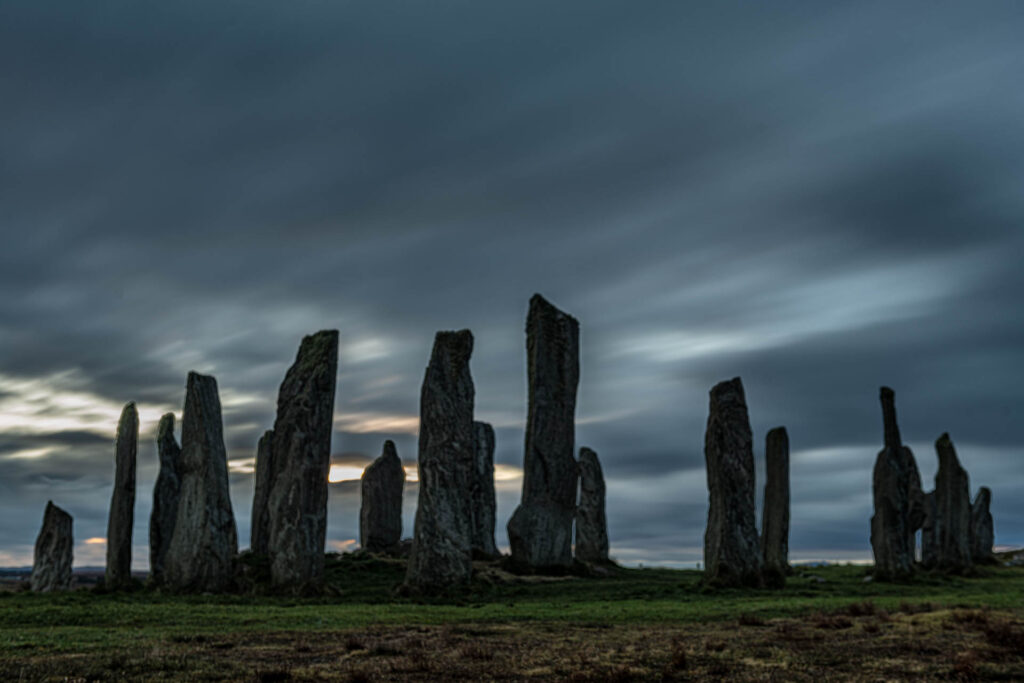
x: 639, y: 624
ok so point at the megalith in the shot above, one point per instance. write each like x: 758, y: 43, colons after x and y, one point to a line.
x: 930, y: 532
x: 775, y: 515
x: 122, y: 501
x: 51, y: 565
x: 259, y: 533
x: 380, y: 512
x: 165, y: 497
x: 953, y: 510
x: 482, y: 499
x: 591, y: 523
x: 982, y: 531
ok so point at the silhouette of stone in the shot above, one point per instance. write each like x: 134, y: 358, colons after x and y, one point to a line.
x: 540, y: 530
x: 732, y: 554
x: 204, y: 541
x: 591, y: 524
x: 775, y: 515
x: 380, y: 514
x: 122, y: 501
x: 301, y: 459
x: 441, y: 555
x: 930, y: 532
x: 51, y: 566
x: 953, y: 510
x: 482, y: 500
x: 982, y: 531
x: 259, y: 536
x: 165, y: 497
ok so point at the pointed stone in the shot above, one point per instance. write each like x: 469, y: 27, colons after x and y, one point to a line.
x: 482, y: 500
x: 204, y: 543
x: 301, y: 459
x: 259, y: 537
x: 122, y: 501
x: 165, y: 498
x: 953, y: 510
x: 441, y: 556
x: 982, y: 531
x: 540, y: 530
x: 775, y: 517
x: 591, y: 523
x: 51, y: 566
x: 380, y: 512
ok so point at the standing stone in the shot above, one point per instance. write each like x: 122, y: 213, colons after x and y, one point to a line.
x: 441, y: 554
x: 259, y: 537
x: 122, y: 501
x: 204, y: 541
x: 591, y: 523
x: 775, y: 517
x: 51, y: 566
x: 380, y: 513
x: 540, y: 530
x: 482, y: 501
x: 301, y: 458
x: 732, y: 554
x: 930, y: 532
x: 165, y: 498
x: 982, y: 531
x: 953, y: 510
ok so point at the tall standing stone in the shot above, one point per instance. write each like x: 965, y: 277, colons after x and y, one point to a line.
x: 775, y: 515
x: 540, y: 530
x: 259, y: 536
x: 204, y: 543
x: 982, y: 531
x: 51, y: 566
x: 482, y: 500
x: 930, y: 532
x: 953, y: 510
x: 591, y: 523
x: 301, y: 458
x: 122, y: 501
x: 441, y: 555
x: 732, y: 554
x: 165, y: 497
x: 380, y: 512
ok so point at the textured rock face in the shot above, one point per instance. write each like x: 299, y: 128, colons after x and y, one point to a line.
x: 732, y: 554
x: 380, y: 514
x: 982, y: 531
x: 930, y: 532
x: 165, y: 497
x: 953, y: 510
x: 205, y: 541
x: 441, y: 554
x: 122, y: 501
x: 591, y: 524
x: 540, y: 530
x: 301, y: 457
x: 259, y: 536
x: 482, y: 501
x: 51, y: 567
x: 775, y: 518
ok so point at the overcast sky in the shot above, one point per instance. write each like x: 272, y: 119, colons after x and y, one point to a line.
x: 818, y: 197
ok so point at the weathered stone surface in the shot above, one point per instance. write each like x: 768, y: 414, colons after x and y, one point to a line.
x: 441, y: 555
x: 51, y: 566
x: 165, y: 497
x: 591, y: 523
x: 122, y: 501
x: 204, y: 541
x: 775, y: 516
x: 380, y: 512
x: 482, y: 500
x: 301, y: 449
x: 953, y: 510
x: 540, y: 530
x: 930, y: 532
x: 259, y: 536
x: 982, y: 531
x: 732, y: 554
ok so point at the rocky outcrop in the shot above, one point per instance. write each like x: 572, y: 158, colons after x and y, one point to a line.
x: 982, y: 531
x: 301, y: 455
x: 775, y: 515
x: 259, y: 534
x: 441, y: 556
x: 732, y: 554
x: 380, y: 513
x: 205, y: 541
x: 165, y: 498
x: 482, y: 500
x: 122, y: 501
x: 591, y: 523
x: 51, y: 566
x: 953, y: 510
x: 540, y: 530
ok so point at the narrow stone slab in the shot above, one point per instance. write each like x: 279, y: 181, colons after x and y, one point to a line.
x: 165, y: 498
x: 953, y: 510
x: 930, y: 532
x: 591, y: 523
x: 982, y: 530
x: 51, y: 566
x: 482, y: 500
x: 775, y: 516
x: 122, y: 501
x: 380, y: 512
x: 259, y: 536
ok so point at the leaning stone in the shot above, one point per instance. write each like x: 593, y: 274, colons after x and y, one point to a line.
x: 982, y: 531
x: 775, y: 517
x: 380, y: 512
x: 165, y: 497
x: 591, y: 523
x: 953, y: 510
x: 540, y: 530
x: 122, y: 501
x: 51, y: 566
x: 259, y: 537
x: 732, y: 554
x: 482, y: 500
x: 441, y: 556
